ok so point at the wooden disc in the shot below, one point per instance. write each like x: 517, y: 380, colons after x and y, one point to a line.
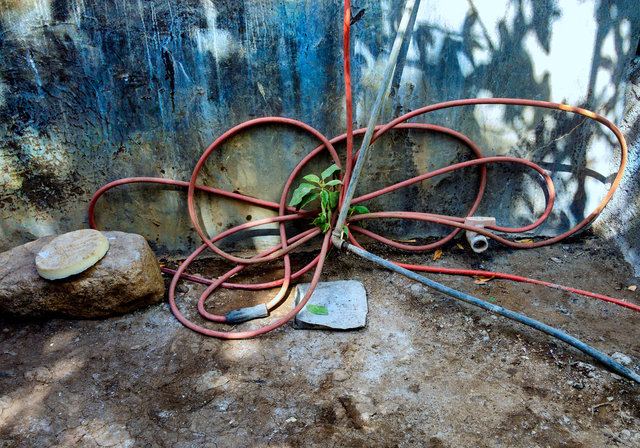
x: 71, y: 254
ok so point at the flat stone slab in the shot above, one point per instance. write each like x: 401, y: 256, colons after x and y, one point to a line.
x: 71, y: 253
x: 344, y: 300
x: 128, y: 277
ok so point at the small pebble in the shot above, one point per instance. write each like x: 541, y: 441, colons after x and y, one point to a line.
x: 340, y: 375
x: 625, y: 434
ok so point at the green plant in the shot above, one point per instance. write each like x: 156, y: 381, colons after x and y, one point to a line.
x: 326, y: 189
x: 318, y: 309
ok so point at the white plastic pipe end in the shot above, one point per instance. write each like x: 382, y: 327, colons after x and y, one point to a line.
x: 478, y: 243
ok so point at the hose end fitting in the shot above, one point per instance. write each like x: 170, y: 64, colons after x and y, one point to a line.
x: 337, y: 240
x: 245, y: 314
x: 478, y: 242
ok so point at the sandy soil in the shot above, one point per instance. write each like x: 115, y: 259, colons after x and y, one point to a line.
x: 425, y: 372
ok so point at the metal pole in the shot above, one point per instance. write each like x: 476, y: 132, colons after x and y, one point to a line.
x: 384, y: 89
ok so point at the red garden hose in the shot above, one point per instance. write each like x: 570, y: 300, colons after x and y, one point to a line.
x: 285, y: 213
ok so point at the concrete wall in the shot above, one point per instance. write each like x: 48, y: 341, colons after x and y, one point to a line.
x: 94, y: 91
x: 620, y: 222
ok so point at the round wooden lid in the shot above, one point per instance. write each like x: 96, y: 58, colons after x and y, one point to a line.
x: 71, y: 253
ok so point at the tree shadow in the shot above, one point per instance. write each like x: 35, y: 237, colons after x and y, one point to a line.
x: 470, y: 62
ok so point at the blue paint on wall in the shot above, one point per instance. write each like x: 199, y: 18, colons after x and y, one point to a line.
x: 94, y: 91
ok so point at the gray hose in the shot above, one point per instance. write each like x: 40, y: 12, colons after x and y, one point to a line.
x: 604, y: 359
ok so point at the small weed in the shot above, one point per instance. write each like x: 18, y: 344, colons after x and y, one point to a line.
x: 326, y: 189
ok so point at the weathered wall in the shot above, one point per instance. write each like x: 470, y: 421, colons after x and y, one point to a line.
x: 94, y: 91
x: 620, y: 222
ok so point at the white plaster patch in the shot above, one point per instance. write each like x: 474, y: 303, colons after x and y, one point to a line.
x: 601, y: 158
x: 48, y: 226
x: 625, y: 32
x: 220, y: 43
x: 373, y: 68
x: 3, y: 93
x: 448, y: 15
x: 27, y: 15
x: 50, y: 157
x: 528, y: 114
x: 481, y: 55
x: 490, y: 119
x: 466, y: 66
x: 570, y: 53
x: 10, y: 178
x: 48, y: 154
x: 604, y: 87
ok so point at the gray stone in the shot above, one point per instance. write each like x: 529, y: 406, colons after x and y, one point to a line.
x: 211, y: 380
x: 345, y: 301
x: 621, y: 358
x: 340, y: 375
x: 41, y: 374
x: 625, y: 434
x: 127, y: 278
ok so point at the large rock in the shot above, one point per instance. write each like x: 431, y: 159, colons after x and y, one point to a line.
x: 128, y: 277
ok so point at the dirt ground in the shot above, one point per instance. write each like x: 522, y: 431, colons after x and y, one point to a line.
x: 425, y: 372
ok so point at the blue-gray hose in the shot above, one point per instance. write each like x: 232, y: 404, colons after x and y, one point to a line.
x: 604, y: 359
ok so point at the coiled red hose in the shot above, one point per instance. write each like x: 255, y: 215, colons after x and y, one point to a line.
x: 285, y: 213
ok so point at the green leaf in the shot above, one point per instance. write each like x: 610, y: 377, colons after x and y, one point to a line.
x: 300, y: 193
x: 333, y: 183
x: 310, y: 197
x: 320, y: 221
x: 324, y: 200
x: 334, y: 198
x: 360, y: 209
x: 329, y: 171
x: 312, y: 178
x: 318, y: 309
x: 345, y: 231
